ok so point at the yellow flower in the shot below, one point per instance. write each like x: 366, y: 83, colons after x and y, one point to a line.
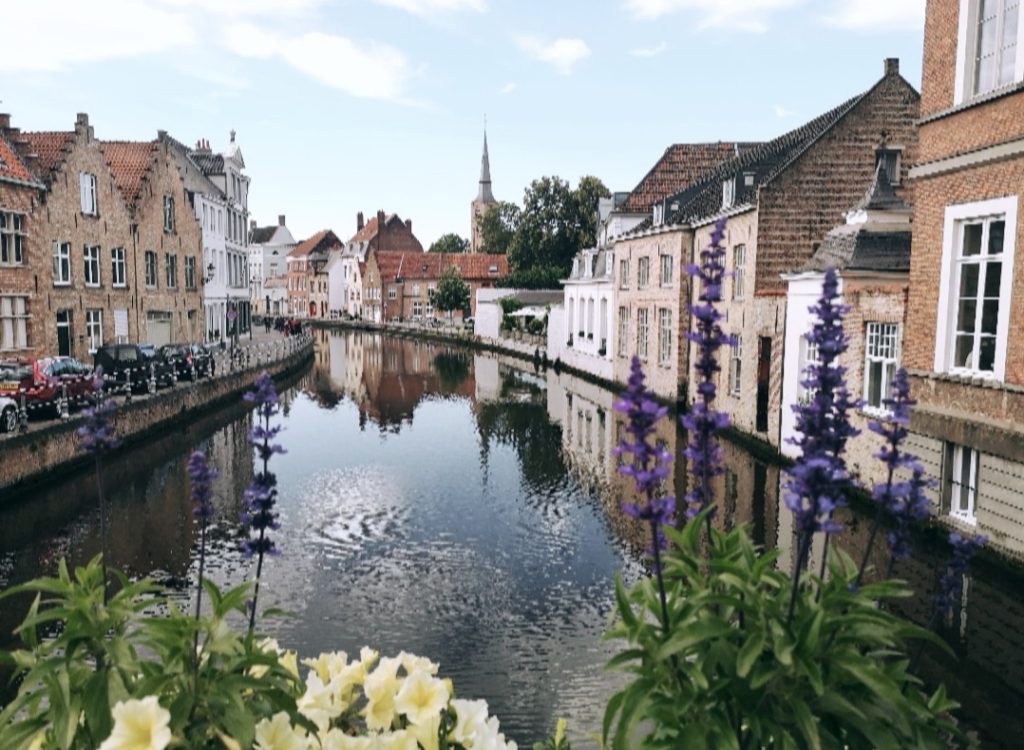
x: 470, y: 721
x: 421, y: 697
x: 139, y: 725
x: 403, y: 740
x: 279, y: 734
x: 380, y: 711
x: 327, y: 665
x: 426, y: 733
x: 318, y: 703
x: 290, y: 661
x: 338, y: 740
x: 412, y: 663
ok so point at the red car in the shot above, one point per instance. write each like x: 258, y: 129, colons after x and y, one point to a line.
x: 43, y: 380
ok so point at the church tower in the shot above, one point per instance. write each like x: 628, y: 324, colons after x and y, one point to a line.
x: 483, y: 202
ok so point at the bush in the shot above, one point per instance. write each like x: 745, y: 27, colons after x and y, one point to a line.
x: 536, y: 327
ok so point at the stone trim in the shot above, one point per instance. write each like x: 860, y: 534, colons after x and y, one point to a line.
x: 987, y: 155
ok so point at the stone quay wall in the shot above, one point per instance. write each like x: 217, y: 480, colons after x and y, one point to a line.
x: 30, y: 458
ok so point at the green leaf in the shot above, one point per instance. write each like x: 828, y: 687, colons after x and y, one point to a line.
x: 805, y: 722
x: 749, y: 653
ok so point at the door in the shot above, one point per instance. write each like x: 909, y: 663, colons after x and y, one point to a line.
x: 764, y: 369
x: 158, y: 327
x: 64, y: 333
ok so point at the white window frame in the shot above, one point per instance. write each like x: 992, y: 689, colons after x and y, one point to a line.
x: 118, y: 267
x: 190, y: 272
x: 12, y: 235
x: 87, y: 194
x: 739, y: 270
x: 955, y: 217
x: 623, y: 330
x: 94, y: 329
x: 808, y: 356
x: 664, y: 335
x: 171, y: 270
x: 61, y: 253
x: 667, y: 267
x: 955, y: 482
x: 152, y: 269
x: 392, y: 293
x: 14, y: 319
x: 728, y: 193
x: 168, y: 213
x: 624, y: 273
x: 642, y: 332
x: 736, y: 365
x: 91, y: 259
x: 881, y: 346
x: 643, y: 272
x: 963, y: 90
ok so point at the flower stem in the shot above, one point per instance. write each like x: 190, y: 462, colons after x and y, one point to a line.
x: 103, y: 524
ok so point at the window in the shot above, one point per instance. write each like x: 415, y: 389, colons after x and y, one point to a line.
x: 61, y: 263
x: 190, y: 272
x: 881, y: 341
x: 890, y: 158
x: 728, y: 193
x: 978, y: 246
x: 641, y: 333
x: 961, y: 482
x: 168, y: 213
x: 664, y: 335
x: 739, y: 267
x: 13, y: 323
x: 172, y: 271
x: 12, y: 238
x: 643, y: 272
x: 92, y: 265
x: 736, y: 365
x: 417, y: 310
x: 87, y: 193
x: 415, y: 290
x: 666, y: 270
x: 808, y: 358
x: 94, y: 329
x: 117, y: 266
x: 623, y: 330
x: 989, y: 31
x: 392, y: 293
x: 623, y: 274
x: 150, y: 269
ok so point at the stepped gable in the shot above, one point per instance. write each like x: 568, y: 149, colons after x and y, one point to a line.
x: 766, y: 162
x: 129, y: 162
x: 681, y: 165
x: 49, y: 148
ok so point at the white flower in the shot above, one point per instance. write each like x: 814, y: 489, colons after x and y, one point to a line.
x: 139, y: 725
x: 412, y: 663
x: 327, y: 664
x: 279, y: 734
x: 338, y: 740
x: 470, y: 720
x: 318, y: 703
x: 422, y: 697
x: 492, y: 739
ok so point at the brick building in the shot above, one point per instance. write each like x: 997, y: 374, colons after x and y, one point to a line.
x: 307, y: 281
x: 966, y: 308
x: 20, y: 252
x: 779, y: 200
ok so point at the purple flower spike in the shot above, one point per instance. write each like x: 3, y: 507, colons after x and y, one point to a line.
x: 702, y: 423
x: 96, y: 436
x: 201, y: 475
x: 950, y: 584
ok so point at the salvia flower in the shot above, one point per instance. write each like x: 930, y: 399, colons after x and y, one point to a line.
x: 908, y: 507
x: 949, y: 588
x: 201, y: 475
x: 702, y: 423
x: 818, y: 478
x: 96, y: 436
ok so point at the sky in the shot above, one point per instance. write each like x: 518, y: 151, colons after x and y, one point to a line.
x: 343, y: 106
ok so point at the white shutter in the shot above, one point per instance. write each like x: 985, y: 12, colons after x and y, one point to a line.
x: 121, y: 326
x: 83, y: 191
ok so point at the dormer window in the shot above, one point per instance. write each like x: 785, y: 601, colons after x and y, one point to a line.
x: 890, y: 157
x: 728, y: 193
x: 659, y: 213
x: 748, y: 179
x: 492, y: 269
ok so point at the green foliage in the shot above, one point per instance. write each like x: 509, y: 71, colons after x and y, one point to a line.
x: 452, y: 292
x: 449, y: 243
x: 498, y: 227
x: 509, y: 306
x: 538, y: 277
x: 101, y: 655
x: 558, y: 742
x: 730, y: 672
x: 537, y: 326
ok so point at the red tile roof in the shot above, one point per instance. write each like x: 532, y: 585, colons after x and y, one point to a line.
x: 50, y: 147
x: 307, y: 246
x: 129, y: 161
x: 681, y: 165
x: 11, y: 166
x: 471, y: 266
x: 369, y: 231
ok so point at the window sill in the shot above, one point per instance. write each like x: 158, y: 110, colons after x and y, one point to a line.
x: 971, y: 521
x: 62, y: 284
x: 93, y: 286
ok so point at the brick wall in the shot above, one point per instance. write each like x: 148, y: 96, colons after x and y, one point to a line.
x: 24, y: 280
x: 938, y: 74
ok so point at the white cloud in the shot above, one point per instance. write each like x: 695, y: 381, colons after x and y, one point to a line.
x: 508, y: 88
x: 365, y: 69
x: 432, y: 7
x: 239, y: 8
x: 781, y: 111
x: 877, y: 15
x: 740, y: 15
x: 649, y: 51
x: 87, y: 32
x: 562, y: 53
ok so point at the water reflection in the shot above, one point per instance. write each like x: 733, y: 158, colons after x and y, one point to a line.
x: 467, y: 507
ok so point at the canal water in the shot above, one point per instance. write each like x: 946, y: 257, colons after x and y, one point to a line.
x: 462, y: 506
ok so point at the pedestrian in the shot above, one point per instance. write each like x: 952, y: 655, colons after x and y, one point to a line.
x: 266, y: 323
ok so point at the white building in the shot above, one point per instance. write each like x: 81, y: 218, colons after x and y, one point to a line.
x: 268, y: 249
x: 345, y: 279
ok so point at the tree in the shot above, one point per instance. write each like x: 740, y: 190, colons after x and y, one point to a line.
x: 449, y: 243
x: 498, y: 227
x: 452, y: 292
x: 588, y: 192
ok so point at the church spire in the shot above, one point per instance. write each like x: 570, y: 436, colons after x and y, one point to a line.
x: 484, y: 194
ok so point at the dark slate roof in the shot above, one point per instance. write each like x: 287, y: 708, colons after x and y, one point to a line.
x: 262, y: 235
x: 863, y: 247
x: 538, y: 297
x: 880, y: 196
x: 209, y: 162
x: 764, y: 162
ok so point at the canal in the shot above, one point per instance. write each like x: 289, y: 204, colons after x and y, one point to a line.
x: 462, y: 506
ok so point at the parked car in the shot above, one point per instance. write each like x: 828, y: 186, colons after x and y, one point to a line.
x: 8, y: 414
x: 189, y: 360
x: 147, y: 367
x: 44, y: 382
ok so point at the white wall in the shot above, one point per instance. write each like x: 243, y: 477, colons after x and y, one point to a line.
x: 488, y: 312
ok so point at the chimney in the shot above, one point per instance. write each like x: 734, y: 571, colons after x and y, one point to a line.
x: 161, y: 134
x: 5, y: 121
x: 408, y: 225
x: 82, y: 119
x: 252, y: 225
x: 380, y: 220
x: 359, y: 221
x: 892, y: 66
x: 280, y: 220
